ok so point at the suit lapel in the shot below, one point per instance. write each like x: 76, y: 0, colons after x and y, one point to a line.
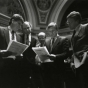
x: 75, y: 37
x: 79, y: 30
x: 48, y: 45
x: 80, y: 33
x: 56, y: 42
x: 72, y: 39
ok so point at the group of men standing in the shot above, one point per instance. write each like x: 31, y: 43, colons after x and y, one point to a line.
x: 27, y: 70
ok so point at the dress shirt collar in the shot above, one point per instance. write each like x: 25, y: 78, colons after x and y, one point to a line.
x: 10, y: 34
x: 9, y: 28
x: 55, y: 37
x: 77, y: 28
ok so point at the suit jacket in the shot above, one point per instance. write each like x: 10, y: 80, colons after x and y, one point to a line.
x: 60, y: 49
x: 4, y: 41
x: 29, y: 54
x: 4, y: 38
x: 8, y: 66
x: 80, y: 41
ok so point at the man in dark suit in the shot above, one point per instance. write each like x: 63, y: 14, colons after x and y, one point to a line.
x: 79, y: 43
x: 58, y: 47
x: 29, y: 65
x: 8, y: 73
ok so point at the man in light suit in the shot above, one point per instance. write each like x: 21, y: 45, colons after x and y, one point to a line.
x: 8, y: 72
x: 58, y: 47
x: 79, y: 42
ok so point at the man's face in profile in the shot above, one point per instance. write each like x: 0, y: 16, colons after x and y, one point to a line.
x: 26, y: 29
x: 17, y: 25
x: 71, y: 23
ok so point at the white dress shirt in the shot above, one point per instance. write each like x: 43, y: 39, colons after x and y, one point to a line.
x: 10, y: 34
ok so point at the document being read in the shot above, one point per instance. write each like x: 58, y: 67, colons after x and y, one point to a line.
x: 42, y: 51
x: 16, y: 48
x: 77, y: 62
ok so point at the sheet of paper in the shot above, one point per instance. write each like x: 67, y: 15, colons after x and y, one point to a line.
x: 16, y: 47
x: 42, y: 51
x: 77, y: 62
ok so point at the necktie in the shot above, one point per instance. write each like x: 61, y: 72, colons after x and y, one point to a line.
x: 51, y: 45
x: 53, y: 41
x: 27, y: 39
x: 12, y: 35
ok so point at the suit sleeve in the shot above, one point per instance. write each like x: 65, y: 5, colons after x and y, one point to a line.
x: 65, y: 48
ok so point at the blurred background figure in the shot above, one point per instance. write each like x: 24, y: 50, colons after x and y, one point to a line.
x: 41, y: 39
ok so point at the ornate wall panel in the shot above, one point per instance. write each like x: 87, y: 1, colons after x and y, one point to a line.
x: 43, y: 8
x: 41, y: 12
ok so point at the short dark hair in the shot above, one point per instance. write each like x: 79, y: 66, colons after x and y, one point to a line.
x: 16, y: 17
x: 75, y: 15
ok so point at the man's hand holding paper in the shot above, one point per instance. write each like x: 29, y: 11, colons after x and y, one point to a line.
x: 5, y: 53
x: 16, y: 48
x: 51, y: 56
x: 43, y: 53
